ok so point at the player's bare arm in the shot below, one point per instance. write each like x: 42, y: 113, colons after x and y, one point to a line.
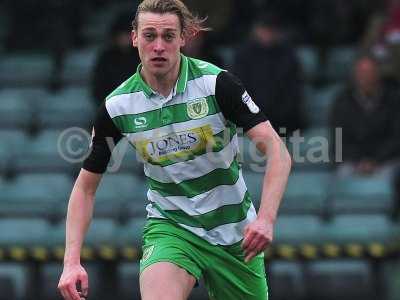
x: 259, y: 234
x: 80, y: 209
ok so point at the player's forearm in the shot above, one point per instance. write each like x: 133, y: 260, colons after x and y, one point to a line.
x: 275, y: 180
x: 80, y: 209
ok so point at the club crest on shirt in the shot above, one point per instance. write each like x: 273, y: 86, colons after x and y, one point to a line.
x: 246, y: 99
x: 197, y: 108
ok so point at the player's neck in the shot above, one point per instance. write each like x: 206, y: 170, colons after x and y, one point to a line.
x: 162, y: 84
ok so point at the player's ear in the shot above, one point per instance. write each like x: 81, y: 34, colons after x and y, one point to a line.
x: 134, y: 37
x: 183, y: 39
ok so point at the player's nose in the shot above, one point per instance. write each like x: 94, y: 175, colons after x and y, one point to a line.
x: 159, y: 45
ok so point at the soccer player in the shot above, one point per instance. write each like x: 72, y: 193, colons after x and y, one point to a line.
x: 181, y: 114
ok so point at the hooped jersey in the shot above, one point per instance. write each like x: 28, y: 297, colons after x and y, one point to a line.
x: 189, y: 145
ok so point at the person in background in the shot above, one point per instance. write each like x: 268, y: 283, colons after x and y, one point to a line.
x: 383, y: 37
x: 368, y: 111
x: 117, y: 62
x: 201, y: 49
x: 271, y: 72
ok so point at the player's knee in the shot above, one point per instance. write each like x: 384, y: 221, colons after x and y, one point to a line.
x: 165, y: 281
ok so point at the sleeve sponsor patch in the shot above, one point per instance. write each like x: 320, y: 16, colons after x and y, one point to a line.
x: 92, y: 137
x: 246, y: 99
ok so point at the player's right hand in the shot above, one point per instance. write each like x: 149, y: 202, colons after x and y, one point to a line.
x: 70, y: 277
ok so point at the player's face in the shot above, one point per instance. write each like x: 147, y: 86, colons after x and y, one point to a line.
x: 158, y: 39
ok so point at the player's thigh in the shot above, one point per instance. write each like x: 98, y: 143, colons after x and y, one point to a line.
x: 165, y: 280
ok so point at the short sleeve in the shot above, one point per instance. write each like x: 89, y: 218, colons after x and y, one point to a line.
x: 235, y: 103
x: 105, y: 135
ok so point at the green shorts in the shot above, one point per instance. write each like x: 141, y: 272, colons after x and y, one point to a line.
x: 225, y: 273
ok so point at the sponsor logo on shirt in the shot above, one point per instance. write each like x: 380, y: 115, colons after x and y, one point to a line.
x: 140, y: 122
x: 246, y: 99
x: 176, y: 146
x: 197, y: 108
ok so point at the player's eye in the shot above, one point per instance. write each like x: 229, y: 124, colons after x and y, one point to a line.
x: 148, y: 36
x: 169, y: 37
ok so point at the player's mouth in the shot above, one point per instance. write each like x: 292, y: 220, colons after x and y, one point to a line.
x: 158, y: 62
x: 158, y: 59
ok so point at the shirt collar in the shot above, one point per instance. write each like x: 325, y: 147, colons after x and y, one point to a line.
x: 180, y: 85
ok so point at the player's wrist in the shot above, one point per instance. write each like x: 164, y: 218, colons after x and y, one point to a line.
x: 72, y: 262
x: 267, y: 218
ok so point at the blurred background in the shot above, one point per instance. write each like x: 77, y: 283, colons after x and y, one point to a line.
x: 324, y: 72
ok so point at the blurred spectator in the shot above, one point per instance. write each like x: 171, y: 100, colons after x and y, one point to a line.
x: 391, y: 26
x: 327, y: 23
x: 198, y: 47
x: 271, y: 73
x: 383, y: 36
x: 295, y: 15
x: 117, y: 62
x: 339, y: 22
x: 368, y: 111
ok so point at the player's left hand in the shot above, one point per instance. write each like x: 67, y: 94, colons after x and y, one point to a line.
x: 258, y: 236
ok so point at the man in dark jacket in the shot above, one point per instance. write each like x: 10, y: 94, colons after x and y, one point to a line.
x: 117, y: 62
x: 270, y: 70
x: 368, y: 111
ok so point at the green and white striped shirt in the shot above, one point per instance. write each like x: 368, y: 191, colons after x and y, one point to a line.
x: 189, y: 145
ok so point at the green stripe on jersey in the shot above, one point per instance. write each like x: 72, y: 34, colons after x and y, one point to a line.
x: 193, y: 187
x: 226, y: 214
x: 160, y: 117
